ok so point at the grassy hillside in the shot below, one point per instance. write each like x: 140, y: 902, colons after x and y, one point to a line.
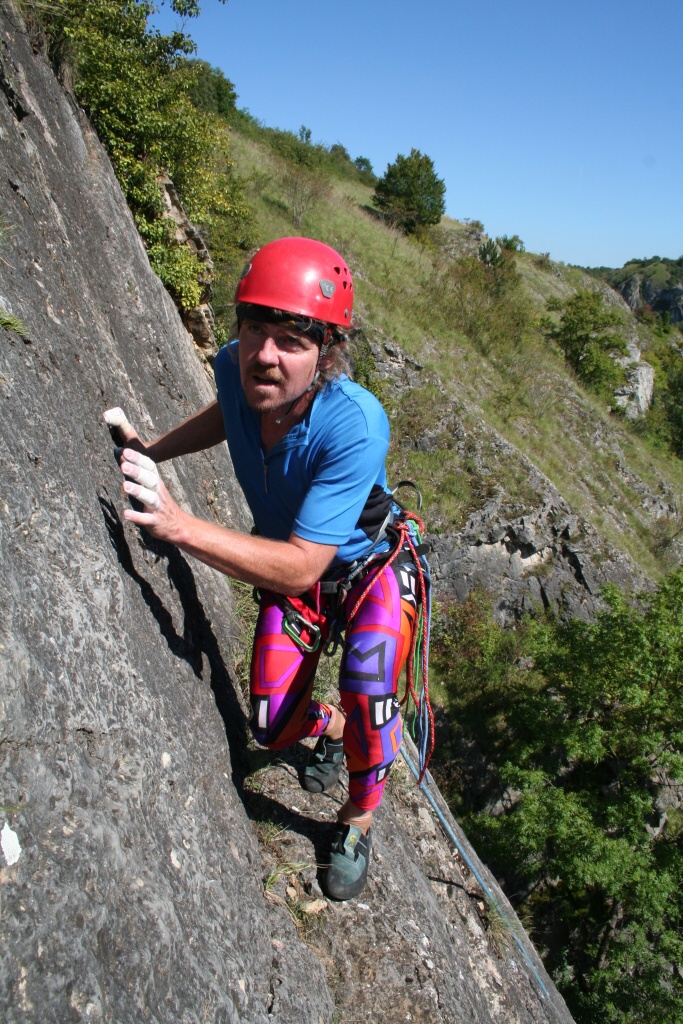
x: 475, y: 327
x: 557, y: 740
x: 485, y: 357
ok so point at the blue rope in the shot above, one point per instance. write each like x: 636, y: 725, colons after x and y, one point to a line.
x: 487, y: 891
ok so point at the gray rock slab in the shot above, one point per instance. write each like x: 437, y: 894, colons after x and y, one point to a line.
x: 133, y: 883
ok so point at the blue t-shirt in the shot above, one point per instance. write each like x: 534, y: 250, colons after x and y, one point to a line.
x: 325, y: 480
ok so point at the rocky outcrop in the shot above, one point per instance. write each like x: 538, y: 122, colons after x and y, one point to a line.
x: 547, y: 558
x: 639, y: 291
x: 635, y: 395
x: 134, y: 884
x: 544, y: 556
x: 200, y: 319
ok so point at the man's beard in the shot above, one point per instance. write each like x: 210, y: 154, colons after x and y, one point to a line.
x: 274, y: 399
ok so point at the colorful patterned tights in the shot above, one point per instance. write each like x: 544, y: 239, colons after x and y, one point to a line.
x: 376, y: 646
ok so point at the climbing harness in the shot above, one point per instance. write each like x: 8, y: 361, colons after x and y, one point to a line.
x: 408, y: 548
x: 324, y: 616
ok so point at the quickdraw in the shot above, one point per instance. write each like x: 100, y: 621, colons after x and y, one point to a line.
x: 294, y: 624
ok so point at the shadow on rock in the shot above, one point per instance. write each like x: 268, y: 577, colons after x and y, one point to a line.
x: 197, y: 639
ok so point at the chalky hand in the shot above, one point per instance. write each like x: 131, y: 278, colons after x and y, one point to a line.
x: 142, y: 478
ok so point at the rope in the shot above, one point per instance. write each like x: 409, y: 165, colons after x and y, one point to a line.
x: 418, y: 656
x: 477, y: 874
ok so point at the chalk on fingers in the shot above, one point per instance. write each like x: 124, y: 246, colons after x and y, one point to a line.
x: 117, y: 421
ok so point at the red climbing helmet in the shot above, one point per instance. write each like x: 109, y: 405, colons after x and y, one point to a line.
x: 301, y: 276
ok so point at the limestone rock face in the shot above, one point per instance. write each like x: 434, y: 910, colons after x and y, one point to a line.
x: 635, y: 395
x: 133, y: 884
x: 137, y: 891
x: 547, y: 558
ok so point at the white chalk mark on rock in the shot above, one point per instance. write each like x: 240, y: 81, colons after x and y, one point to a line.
x: 9, y: 840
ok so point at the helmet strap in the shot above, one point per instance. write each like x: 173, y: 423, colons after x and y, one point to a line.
x: 324, y: 348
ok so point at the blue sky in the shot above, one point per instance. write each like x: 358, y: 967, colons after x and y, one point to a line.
x: 558, y: 121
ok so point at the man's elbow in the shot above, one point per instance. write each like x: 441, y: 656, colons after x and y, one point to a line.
x: 308, y: 567
x: 301, y: 583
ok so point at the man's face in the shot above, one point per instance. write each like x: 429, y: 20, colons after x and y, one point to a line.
x: 277, y: 364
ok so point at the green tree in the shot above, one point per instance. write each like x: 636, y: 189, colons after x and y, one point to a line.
x: 490, y: 254
x: 410, y: 193
x: 584, y: 721
x: 363, y: 164
x: 587, y: 334
x: 673, y: 408
x: 210, y: 90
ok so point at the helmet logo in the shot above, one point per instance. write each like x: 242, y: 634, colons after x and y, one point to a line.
x: 327, y: 288
x: 246, y: 270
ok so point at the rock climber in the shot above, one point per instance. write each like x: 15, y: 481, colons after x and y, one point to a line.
x: 308, y: 447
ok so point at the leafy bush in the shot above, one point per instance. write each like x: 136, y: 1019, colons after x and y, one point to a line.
x: 210, y: 90
x: 303, y: 190
x: 673, y: 407
x: 410, y: 193
x: 587, y: 333
x: 135, y: 85
x: 482, y: 297
x: 300, y: 151
x: 512, y: 242
x: 179, y: 269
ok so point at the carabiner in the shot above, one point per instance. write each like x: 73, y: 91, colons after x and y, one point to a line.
x: 290, y: 620
x: 407, y: 483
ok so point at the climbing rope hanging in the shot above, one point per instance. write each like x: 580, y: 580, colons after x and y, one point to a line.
x: 409, y: 528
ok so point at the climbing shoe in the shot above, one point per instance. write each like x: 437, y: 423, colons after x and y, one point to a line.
x: 323, y: 769
x: 349, y: 859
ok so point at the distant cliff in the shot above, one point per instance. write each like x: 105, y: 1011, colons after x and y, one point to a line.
x: 655, y: 283
x: 145, y: 874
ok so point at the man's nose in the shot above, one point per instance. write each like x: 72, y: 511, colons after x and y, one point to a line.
x: 268, y: 351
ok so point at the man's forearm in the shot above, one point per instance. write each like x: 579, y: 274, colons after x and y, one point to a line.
x: 285, y: 566
x: 202, y: 430
x: 281, y: 566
